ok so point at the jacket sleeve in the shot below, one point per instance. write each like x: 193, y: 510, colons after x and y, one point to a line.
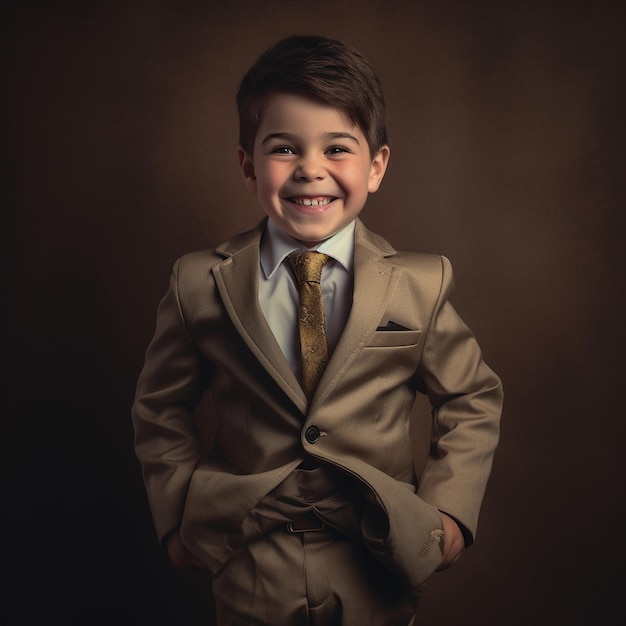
x: 170, y: 386
x: 466, y: 398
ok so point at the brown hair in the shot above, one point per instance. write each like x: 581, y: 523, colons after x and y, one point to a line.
x: 320, y: 68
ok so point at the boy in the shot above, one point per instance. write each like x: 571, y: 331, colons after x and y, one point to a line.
x: 307, y: 509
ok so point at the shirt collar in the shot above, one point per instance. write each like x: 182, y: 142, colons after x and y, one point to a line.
x: 276, y: 245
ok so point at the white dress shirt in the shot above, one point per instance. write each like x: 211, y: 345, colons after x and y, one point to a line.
x: 278, y: 290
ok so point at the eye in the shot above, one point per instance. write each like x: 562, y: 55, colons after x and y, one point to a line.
x: 282, y: 150
x: 337, y: 150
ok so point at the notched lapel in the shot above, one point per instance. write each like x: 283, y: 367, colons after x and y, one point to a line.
x: 237, y: 282
x: 374, y: 280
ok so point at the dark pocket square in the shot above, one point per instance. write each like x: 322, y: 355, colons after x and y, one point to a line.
x: 392, y: 326
x: 400, y: 337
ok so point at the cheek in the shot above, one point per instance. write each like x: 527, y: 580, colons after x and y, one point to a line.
x: 271, y: 178
x: 355, y: 182
x: 352, y: 174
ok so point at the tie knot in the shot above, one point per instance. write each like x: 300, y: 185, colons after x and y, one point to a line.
x: 308, y: 266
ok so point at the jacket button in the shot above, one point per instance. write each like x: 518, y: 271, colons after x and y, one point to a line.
x: 312, y: 434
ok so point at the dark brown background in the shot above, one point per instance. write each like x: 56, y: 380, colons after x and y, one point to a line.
x: 507, y: 156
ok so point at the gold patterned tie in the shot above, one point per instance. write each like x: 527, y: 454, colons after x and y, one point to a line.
x: 313, y: 345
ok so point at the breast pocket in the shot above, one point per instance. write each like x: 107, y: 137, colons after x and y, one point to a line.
x: 393, y: 338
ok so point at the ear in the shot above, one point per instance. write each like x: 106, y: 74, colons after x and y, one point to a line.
x: 247, y: 169
x: 378, y: 169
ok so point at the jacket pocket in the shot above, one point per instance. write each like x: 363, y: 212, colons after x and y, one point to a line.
x: 393, y: 338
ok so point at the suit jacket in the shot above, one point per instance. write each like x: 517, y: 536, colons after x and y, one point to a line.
x: 402, y: 337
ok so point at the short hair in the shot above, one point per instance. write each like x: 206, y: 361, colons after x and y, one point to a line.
x: 320, y: 68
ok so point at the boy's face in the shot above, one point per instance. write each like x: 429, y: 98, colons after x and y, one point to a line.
x: 311, y: 168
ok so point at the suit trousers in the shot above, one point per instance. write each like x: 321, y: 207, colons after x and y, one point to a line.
x: 311, y: 578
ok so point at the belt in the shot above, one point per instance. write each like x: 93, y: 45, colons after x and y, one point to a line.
x: 307, y: 523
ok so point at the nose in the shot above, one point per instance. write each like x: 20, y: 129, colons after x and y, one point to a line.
x: 309, y: 167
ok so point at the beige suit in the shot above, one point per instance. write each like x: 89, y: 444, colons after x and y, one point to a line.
x: 211, y: 333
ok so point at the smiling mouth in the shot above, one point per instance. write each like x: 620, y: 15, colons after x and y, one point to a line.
x: 320, y: 201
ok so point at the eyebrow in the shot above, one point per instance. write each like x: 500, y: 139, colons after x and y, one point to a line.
x: 292, y: 137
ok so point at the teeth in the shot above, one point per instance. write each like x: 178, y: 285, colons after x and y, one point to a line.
x: 309, y: 202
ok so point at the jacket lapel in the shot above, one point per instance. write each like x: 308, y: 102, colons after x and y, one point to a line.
x: 374, y: 279
x: 237, y: 281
